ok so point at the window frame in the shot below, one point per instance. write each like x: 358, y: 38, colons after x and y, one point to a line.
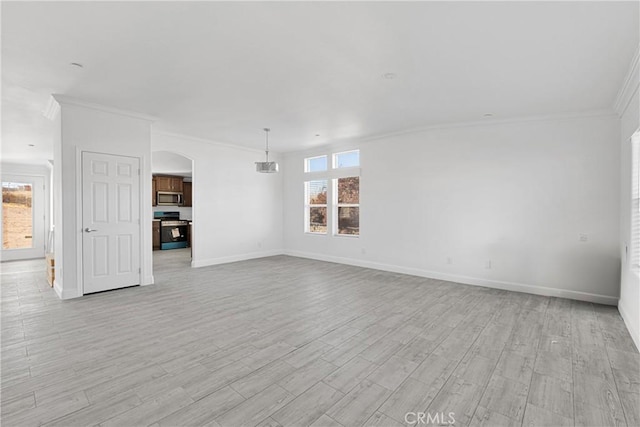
x: 336, y: 205
x: 334, y: 159
x: 634, y: 263
x: 308, y: 159
x: 330, y: 176
x: 308, y: 205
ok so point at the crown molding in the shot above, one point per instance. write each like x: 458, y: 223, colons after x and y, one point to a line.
x: 353, y: 142
x: 68, y: 100
x: 205, y: 141
x: 493, y: 122
x: 629, y: 86
x: 52, y: 109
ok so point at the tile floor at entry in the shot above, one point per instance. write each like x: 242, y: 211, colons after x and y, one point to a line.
x: 294, y: 342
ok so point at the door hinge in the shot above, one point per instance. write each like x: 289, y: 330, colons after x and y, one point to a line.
x: 138, y: 172
x: 139, y: 270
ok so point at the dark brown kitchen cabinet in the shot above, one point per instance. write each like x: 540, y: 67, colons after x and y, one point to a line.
x: 169, y: 183
x: 187, y: 191
x: 156, y: 235
x: 176, y: 184
x: 153, y: 192
x: 163, y: 183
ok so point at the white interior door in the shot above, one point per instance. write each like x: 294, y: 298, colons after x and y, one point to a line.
x: 110, y: 221
x: 23, y: 217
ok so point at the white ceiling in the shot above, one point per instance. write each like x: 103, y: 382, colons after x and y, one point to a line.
x: 223, y: 71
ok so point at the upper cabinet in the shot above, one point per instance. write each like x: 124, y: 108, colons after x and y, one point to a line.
x: 153, y: 192
x: 188, y: 200
x: 169, y: 183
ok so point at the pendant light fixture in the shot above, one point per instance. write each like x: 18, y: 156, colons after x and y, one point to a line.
x: 267, y: 166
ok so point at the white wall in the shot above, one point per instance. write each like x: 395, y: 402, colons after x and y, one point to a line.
x: 165, y: 162
x: 83, y: 128
x: 237, y: 212
x: 516, y: 194
x: 629, y: 304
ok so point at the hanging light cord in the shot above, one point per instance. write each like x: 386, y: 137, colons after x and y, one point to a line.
x: 267, y: 146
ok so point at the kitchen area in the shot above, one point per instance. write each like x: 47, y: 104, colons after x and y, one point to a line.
x: 172, y: 202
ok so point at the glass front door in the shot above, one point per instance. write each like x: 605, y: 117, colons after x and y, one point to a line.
x: 17, y: 215
x: 23, y: 217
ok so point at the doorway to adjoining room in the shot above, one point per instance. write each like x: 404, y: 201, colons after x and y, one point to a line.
x: 172, y: 202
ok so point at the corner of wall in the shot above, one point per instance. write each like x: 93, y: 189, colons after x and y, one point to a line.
x: 630, y: 323
x: 62, y: 293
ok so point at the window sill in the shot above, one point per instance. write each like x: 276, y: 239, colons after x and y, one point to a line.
x: 348, y: 236
x: 309, y: 233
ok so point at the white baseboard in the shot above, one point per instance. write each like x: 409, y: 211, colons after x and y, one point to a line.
x: 148, y: 280
x: 58, y: 288
x: 631, y: 326
x: 62, y: 294
x: 496, y: 284
x: 234, y: 258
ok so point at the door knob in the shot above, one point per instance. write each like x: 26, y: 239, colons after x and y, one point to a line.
x: 89, y: 230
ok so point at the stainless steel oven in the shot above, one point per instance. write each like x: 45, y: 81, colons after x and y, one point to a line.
x: 173, y: 230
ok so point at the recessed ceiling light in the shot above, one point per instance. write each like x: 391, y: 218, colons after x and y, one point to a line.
x: 31, y: 145
x: 389, y: 76
x: 487, y: 115
x: 317, y: 134
x: 77, y: 64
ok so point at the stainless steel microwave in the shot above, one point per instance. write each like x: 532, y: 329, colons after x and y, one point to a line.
x: 167, y: 198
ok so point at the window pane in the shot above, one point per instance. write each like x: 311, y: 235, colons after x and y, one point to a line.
x: 348, y: 221
x: 316, y: 164
x: 349, y: 190
x: 17, y: 216
x: 317, y: 192
x: 318, y: 220
x: 347, y: 159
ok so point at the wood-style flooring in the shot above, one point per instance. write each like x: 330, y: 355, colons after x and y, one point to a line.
x: 283, y: 341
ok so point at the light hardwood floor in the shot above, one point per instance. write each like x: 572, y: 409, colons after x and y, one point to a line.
x: 293, y: 342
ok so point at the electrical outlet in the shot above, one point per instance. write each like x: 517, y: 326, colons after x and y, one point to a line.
x: 584, y: 237
x: 449, y: 260
x: 260, y: 244
x: 487, y: 265
x: 363, y: 251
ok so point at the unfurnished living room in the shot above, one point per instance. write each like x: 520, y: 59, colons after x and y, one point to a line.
x: 183, y: 185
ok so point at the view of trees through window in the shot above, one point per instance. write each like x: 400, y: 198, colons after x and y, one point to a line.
x: 348, y: 196
x: 317, y: 206
x: 342, y: 203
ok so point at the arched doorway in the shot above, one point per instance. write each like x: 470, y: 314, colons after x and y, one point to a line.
x: 172, y: 189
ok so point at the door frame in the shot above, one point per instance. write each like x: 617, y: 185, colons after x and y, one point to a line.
x: 79, y: 218
x: 193, y: 199
x: 39, y: 198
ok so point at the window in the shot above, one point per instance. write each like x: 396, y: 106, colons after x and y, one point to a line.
x: 635, y: 201
x: 315, y: 164
x: 17, y: 215
x: 347, y: 159
x: 316, y: 206
x: 332, y: 199
x: 347, y: 194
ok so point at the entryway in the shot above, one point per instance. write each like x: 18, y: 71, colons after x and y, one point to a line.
x: 172, y: 205
x: 23, y: 217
